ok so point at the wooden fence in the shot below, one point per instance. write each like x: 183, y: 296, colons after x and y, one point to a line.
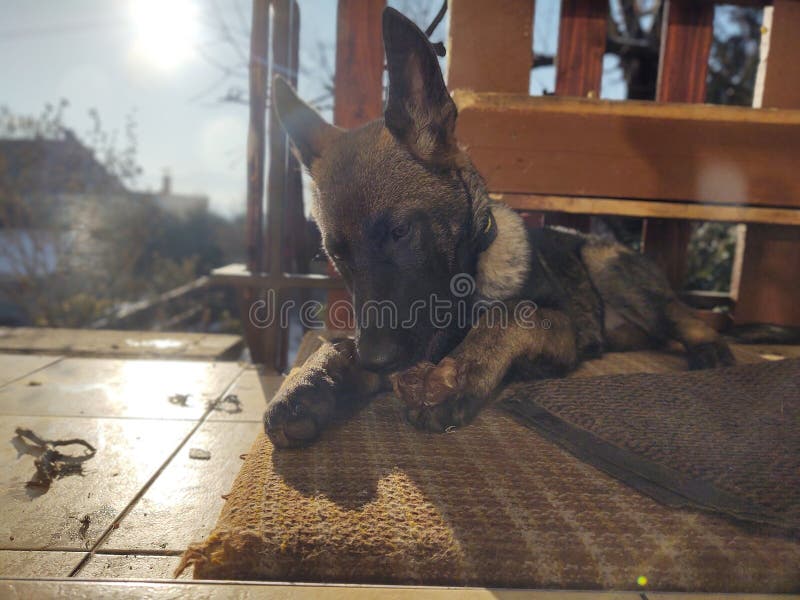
x: 569, y: 156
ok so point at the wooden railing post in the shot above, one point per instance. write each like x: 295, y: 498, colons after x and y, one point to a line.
x: 768, y: 283
x: 284, y: 15
x: 259, y: 72
x: 358, y: 81
x: 490, y: 45
x: 579, y: 68
x: 490, y: 49
x: 685, y: 44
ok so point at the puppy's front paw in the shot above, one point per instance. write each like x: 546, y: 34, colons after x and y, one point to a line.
x: 710, y: 355
x: 427, y: 384
x: 296, y: 417
x: 435, y: 396
x: 443, y: 417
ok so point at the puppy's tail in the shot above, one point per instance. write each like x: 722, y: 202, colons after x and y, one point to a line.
x: 763, y: 334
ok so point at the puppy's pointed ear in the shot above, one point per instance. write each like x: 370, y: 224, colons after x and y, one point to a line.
x: 307, y: 130
x: 419, y: 111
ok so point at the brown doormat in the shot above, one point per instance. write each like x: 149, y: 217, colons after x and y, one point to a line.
x: 493, y: 504
x: 726, y: 440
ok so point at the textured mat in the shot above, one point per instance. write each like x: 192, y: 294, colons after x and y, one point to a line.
x: 722, y: 439
x: 493, y: 504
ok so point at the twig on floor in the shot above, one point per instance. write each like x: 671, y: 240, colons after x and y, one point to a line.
x: 232, y: 400
x: 52, y: 464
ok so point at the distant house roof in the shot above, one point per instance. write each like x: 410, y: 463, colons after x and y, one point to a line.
x: 53, y: 166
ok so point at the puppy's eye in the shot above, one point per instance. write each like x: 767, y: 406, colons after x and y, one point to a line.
x: 400, y: 231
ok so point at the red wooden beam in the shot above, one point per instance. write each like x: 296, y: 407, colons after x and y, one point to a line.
x: 768, y: 290
x: 579, y: 68
x: 358, y: 83
x: 581, y: 45
x: 256, y: 135
x: 358, y: 86
x: 490, y: 45
x: 259, y: 43
x: 685, y: 45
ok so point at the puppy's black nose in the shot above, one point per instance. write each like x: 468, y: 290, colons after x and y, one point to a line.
x: 379, y: 355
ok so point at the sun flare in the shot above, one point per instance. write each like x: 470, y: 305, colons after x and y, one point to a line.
x: 165, y: 31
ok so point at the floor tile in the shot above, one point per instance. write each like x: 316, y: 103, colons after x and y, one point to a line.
x: 131, y: 566
x: 245, y: 591
x: 96, y: 387
x: 108, y: 342
x: 35, y: 565
x: 253, y: 391
x: 128, y: 453
x: 16, y: 366
x: 183, y: 504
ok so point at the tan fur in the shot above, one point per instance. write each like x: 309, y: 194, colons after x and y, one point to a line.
x: 503, y: 266
x: 599, y: 254
x: 689, y: 329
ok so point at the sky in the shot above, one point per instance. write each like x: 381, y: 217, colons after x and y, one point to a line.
x: 119, y: 57
x: 162, y: 61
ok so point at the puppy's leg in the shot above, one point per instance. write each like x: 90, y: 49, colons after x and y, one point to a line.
x: 704, y: 347
x: 329, y: 382
x: 451, y: 393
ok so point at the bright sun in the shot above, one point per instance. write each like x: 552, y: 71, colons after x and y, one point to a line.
x: 165, y: 31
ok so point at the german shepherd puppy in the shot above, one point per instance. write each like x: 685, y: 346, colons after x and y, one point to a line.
x: 403, y: 214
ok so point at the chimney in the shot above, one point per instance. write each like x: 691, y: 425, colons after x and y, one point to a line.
x: 166, y: 184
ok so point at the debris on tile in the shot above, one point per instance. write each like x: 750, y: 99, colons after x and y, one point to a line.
x: 199, y: 454
x: 85, y: 521
x: 179, y: 399
x: 235, y: 405
x: 34, y: 383
x: 50, y: 463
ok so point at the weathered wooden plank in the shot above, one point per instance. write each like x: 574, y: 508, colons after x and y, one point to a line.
x: 768, y: 291
x: 639, y: 150
x: 107, y: 342
x: 581, y: 44
x: 688, y: 30
x: 686, y: 38
x: 298, y: 591
x: 256, y: 157
x: 358, y: 89
x: 131, y: 566
x: 666, y: 242
x: 256, y: 134
x: 17, y: 366
x: 782, y: 76
x: 183, y: 504
x: 119, y: 388
x: 579, y: 68
x: 129, y: 453
x: 490, y: 46
x: 28, y: 564
x: 654, y: 209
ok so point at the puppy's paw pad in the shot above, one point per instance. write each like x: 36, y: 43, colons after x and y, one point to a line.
x: 297, y: 418
x: 409, y: 385
x: 710, y: 355
x: 444, y: 417
x: 427, y: 384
